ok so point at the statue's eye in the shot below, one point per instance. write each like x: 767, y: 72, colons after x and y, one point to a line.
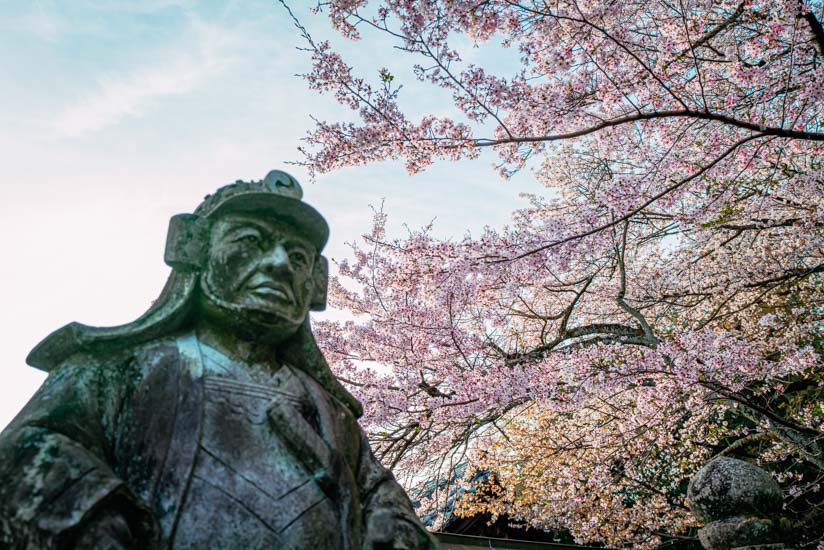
x: 248, y: 239
x: 298, y: 258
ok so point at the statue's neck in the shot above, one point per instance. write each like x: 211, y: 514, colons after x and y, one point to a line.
x: 237, y: 348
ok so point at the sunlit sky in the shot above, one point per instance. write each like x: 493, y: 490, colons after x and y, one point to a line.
x: 116, y: 115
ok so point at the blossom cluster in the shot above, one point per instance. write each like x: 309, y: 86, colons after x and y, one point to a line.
x: 661, y: 305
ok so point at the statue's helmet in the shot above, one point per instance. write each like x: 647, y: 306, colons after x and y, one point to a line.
x: 278, y: 195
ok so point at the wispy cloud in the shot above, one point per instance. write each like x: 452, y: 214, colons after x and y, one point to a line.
x: 202, y: 54
x: 37, y: 23
x: 145, y: 6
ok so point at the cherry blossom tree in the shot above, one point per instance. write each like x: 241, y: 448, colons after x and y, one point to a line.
x: 661, y: 305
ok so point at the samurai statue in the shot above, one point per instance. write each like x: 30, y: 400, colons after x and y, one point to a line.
x: 213, y: 420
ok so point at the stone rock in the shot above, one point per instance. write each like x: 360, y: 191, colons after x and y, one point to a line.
x: 739, y: 532
x: 728, y: 487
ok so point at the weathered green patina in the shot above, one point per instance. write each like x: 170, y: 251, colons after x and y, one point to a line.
x: 211, y: 421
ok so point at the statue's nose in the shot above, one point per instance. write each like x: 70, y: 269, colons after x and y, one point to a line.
x: 276, y: 259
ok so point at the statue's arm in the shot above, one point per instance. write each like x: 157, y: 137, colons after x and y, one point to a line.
x: 57, y: 482
x: 389, y: 519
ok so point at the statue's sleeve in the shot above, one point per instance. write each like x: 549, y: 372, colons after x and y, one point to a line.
x: 55, y: 461
x: 385, y: 503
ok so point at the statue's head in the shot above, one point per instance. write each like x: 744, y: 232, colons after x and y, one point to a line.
x: 256, y: 248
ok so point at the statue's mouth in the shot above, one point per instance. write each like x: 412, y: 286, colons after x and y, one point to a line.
x: 272, y: 289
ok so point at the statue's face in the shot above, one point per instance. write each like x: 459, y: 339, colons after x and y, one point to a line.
x: 261, y: 266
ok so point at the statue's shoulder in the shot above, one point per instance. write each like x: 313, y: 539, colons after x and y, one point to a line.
x: 160, y: 350
x: 136, y: 359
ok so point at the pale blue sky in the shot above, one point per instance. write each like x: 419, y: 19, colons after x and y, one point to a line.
x: 116, y: 115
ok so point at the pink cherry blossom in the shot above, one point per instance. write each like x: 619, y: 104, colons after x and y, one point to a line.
x: 661, y: 305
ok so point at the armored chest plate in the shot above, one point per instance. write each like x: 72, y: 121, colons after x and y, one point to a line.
x: 245, y: 477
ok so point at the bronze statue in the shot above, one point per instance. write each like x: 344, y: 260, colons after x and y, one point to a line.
x: 212, y: 421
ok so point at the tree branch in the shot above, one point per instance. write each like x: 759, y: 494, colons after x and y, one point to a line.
x: 635, y: 117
